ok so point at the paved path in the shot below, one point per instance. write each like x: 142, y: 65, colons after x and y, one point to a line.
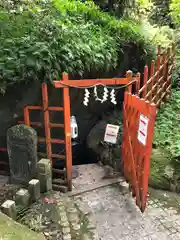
x: 117, y: 218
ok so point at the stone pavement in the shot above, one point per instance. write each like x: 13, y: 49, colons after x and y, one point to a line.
x: 116, y: 216
x: 99, y: 209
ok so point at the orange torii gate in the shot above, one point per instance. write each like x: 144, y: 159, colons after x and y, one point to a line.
x: 65, y: 83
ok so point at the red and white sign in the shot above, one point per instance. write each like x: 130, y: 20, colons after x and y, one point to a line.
x: 143, y: 129
x: 111, y: 133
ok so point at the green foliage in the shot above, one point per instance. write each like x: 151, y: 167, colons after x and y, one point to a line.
x: 145, y: 7
x: 40, y: 43
x: 160, y: 159
x: 39, y: 40
x: 160, y: 13
x: 119, y: 8
x: 167, y: 130
x: 175, y: 11
x: 157, y: 34
x: 176, y: 72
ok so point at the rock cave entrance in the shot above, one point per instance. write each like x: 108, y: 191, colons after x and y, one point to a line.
x: 88, y: 148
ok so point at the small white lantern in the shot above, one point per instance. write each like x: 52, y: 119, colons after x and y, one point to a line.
x: 74, y: 128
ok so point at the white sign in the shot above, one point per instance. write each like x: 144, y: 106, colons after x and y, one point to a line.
x: 111, y: 133
x: 143, y: 129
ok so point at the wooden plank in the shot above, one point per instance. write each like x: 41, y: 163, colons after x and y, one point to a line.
x: 46, y: 121
x: 89, y: 82
x: 60, y: 109
x: 151, y: 77
x: 3, y: 149
x: 144, y: 92
x: 58, y: 141
x: 26, y: 116
x: 34, y: 107
x: 92, y: 187
x: 132, y: 160
x: 67, y: 129
x: 56, y: 125
x: 146, y: 163
x: 58, y: 156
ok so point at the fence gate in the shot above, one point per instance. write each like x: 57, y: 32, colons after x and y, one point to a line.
x: 139, y: 119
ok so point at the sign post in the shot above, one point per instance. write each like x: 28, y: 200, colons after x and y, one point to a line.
x: 111, y: 133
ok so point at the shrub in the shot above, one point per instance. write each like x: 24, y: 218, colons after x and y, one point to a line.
x: 167, y: 130
x: 41, y: 39
x: 175, y: 11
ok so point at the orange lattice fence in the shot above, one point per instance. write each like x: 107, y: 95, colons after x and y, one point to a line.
x: 157, y: 80
x: 139, y: 113
x: 137, y: 144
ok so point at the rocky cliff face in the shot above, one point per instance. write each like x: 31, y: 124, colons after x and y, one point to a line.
x: 12, y: 104
x: 88, y: 118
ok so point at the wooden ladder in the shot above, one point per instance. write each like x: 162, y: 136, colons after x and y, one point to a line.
x: 48, y: 125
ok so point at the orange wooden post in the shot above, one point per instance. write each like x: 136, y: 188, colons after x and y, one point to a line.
x: 46, y: 121
x: 168, y: 69
x: 67, y: 129
x: 145, y: 82
x: 129, y: 75
x: 158, y: 65
x: 152, y: 79
x: 146, y: 165
x: 138, y: 82
x: 159, y: 50
x: 163, y: 82
x: 26, y: 116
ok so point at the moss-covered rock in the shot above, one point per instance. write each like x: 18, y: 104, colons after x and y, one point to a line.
x: 164, y: 173
x: 165, y: 160
x: 159, y: 161
x: 12, y: 230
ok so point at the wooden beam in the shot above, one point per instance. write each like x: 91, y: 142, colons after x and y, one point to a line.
x: 90, y: 82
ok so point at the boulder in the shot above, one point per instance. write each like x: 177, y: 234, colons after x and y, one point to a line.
x: 107, y: 154
x: 164, y: 172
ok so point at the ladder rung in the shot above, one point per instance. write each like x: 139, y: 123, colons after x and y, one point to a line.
x: 4, y: 163
x: 3, y: 149
x: 5, y: 173
x: 34, y: 107
x: 57, y: 141
x: 37, y: 124
x: 41, y: 139
x: 59, y: 181
x: 20, y: 122
x: 58, y: 171
x: 58, y: 156
x: 56, y: 125
x: 60, y: 187
x: 52, y: 140
x: 60, y: 109
x: 53, y: 155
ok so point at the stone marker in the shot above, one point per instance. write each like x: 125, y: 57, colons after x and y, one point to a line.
x: 22, y: 151
x: 45, y: 175
x: 22, y: 197
x: 9, y: 208
x: 34, y: 190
